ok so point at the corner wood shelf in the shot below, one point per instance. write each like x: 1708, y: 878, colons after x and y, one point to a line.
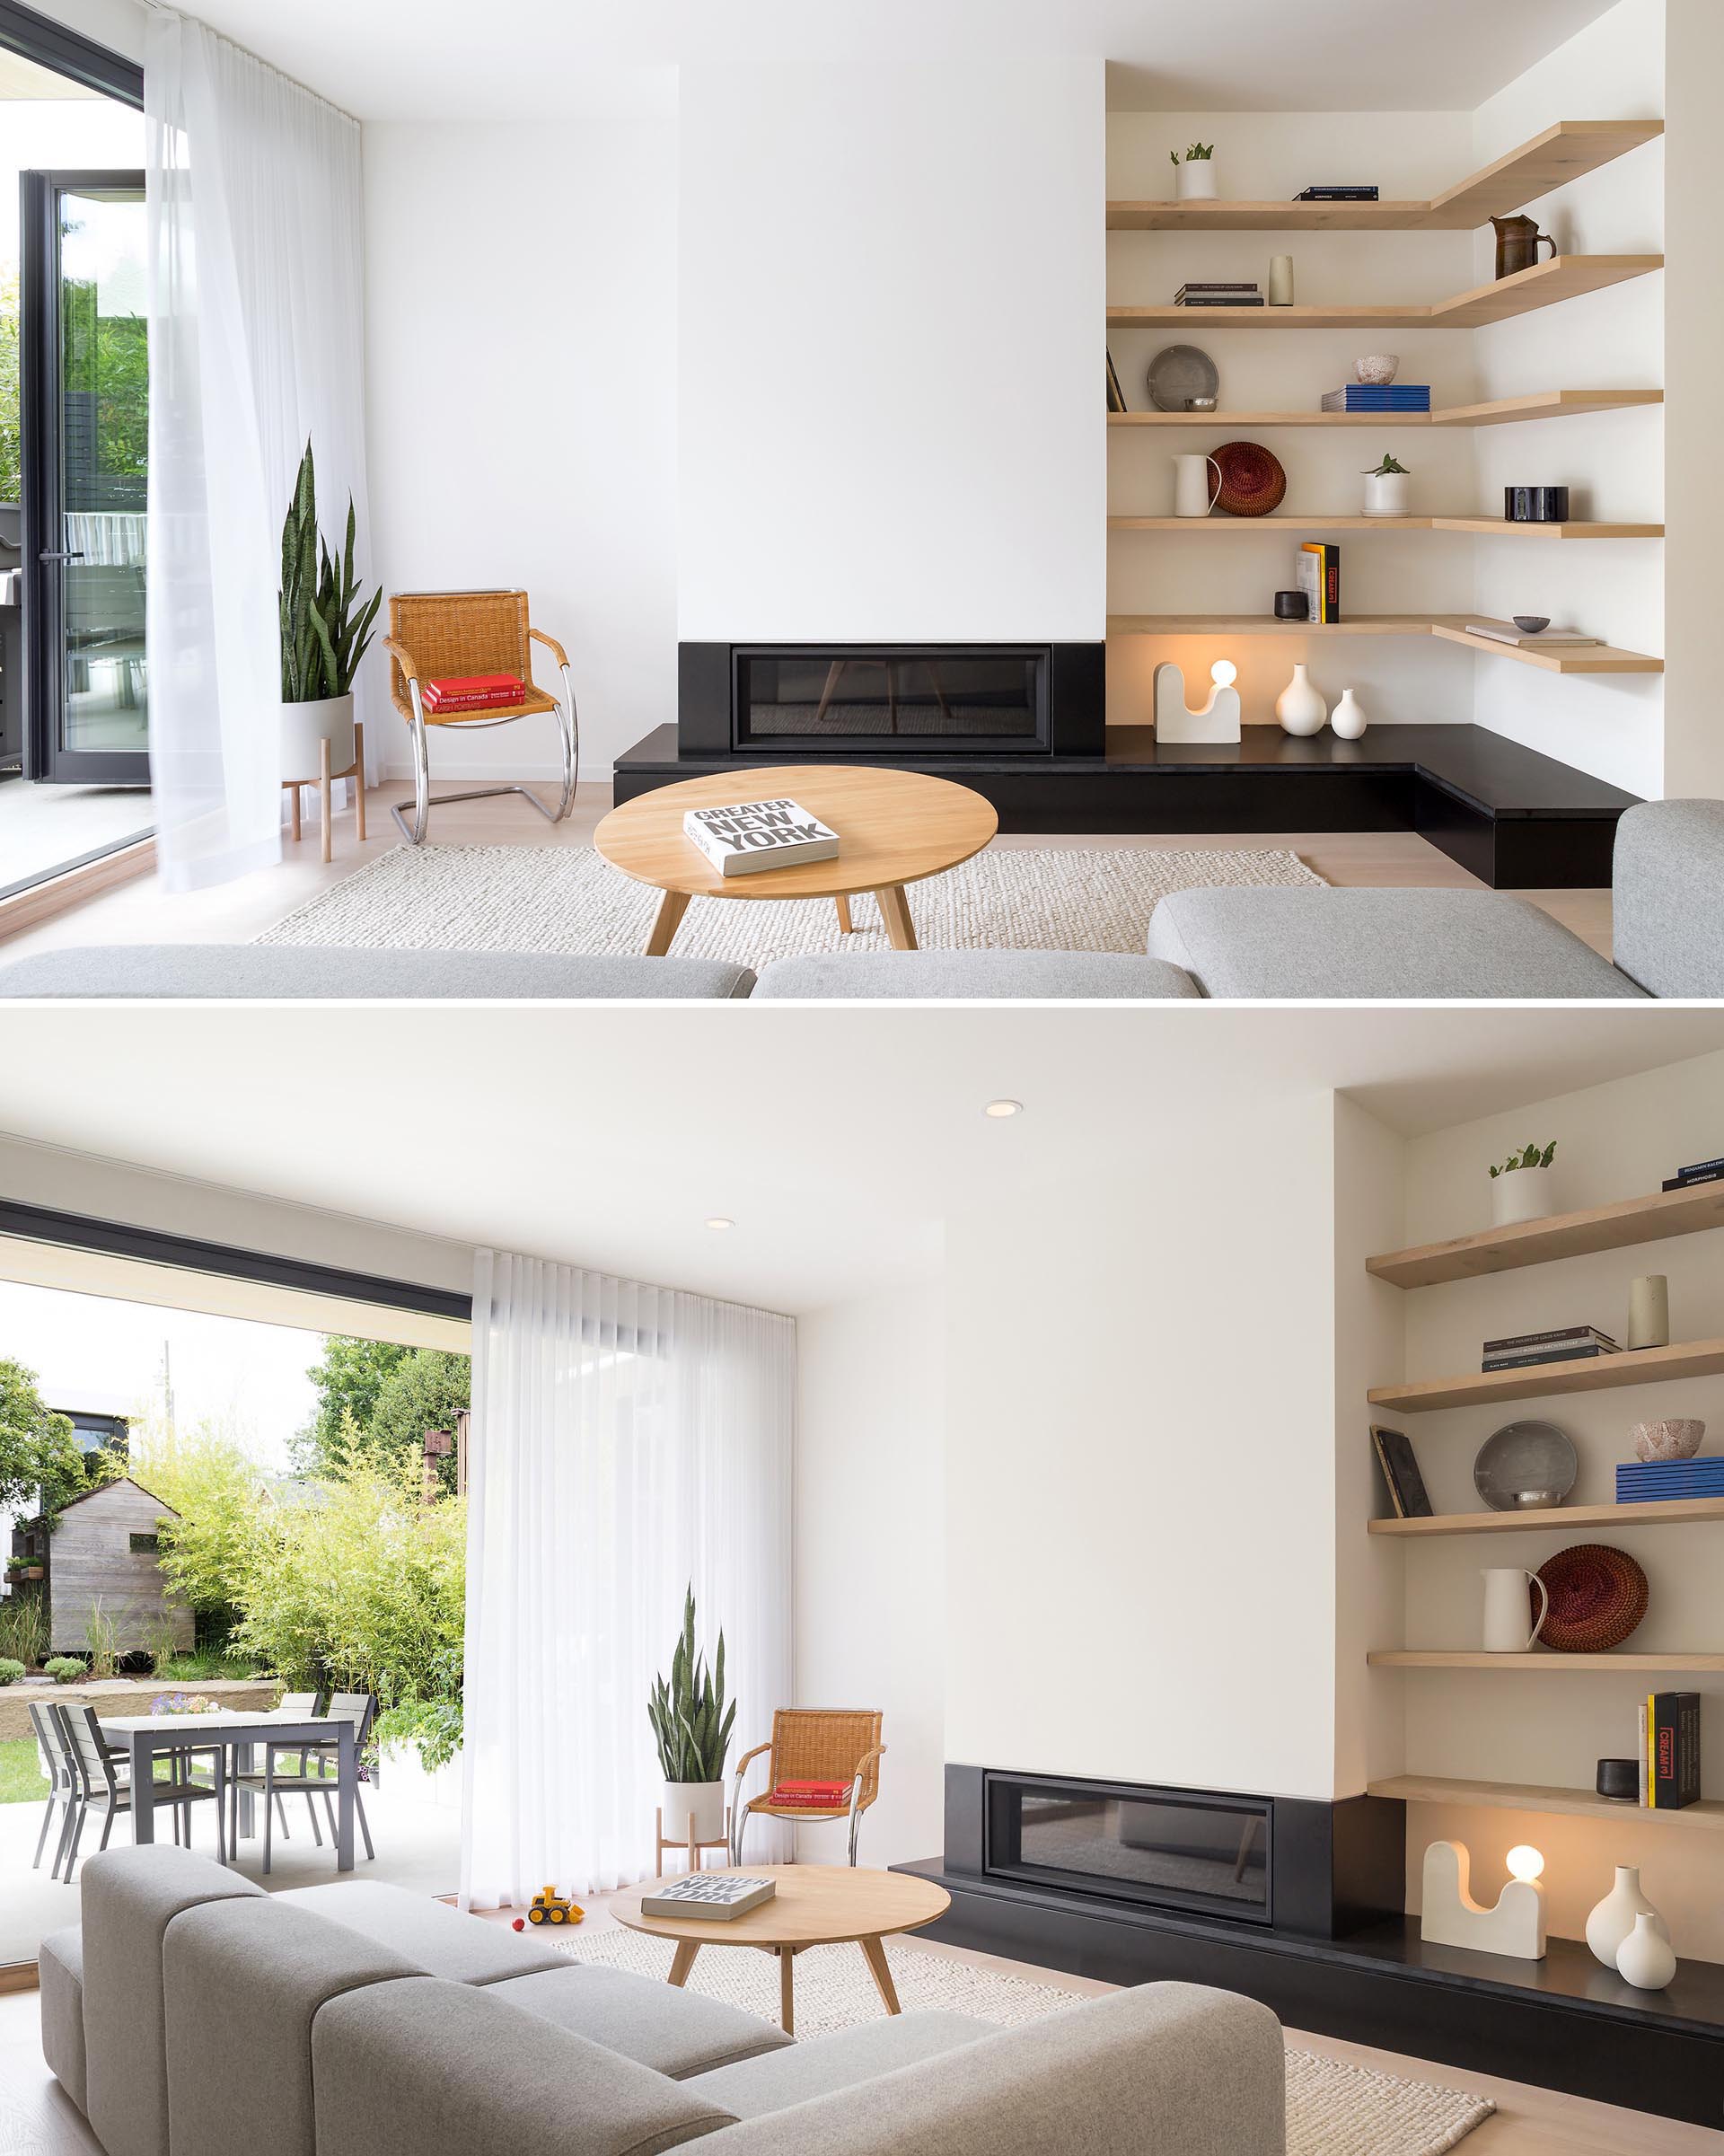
x: 1654, y: 1218
x: 1562, y: 1665
x: 1281, y: 521
x: 1558, y: 1519
x: 1594, y: 658
x: 1598, y: 1374
x: 1501, y: 411
x: 1532, y: 1797
x: 1564, y: 277
x: 1550, y: 160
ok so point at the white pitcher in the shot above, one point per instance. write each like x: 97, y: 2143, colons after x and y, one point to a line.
x: 1191, y: 496
x: 1505, y: 1609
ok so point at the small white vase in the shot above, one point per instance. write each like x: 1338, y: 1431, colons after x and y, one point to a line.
x: 1299, y: 707
x: 1347, y: 717
x: 1197, y: 179
x: 1523, y: 1194
x: 702, y: 1801
x: 1646, y: 1957
x: 303, y: 726
x: 1649, y: 1312
x: 1281, y: 280
x: 1613, y: 1918
x: 1386, y: 493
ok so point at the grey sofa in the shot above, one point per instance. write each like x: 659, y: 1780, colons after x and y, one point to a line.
x: 192, y: 2015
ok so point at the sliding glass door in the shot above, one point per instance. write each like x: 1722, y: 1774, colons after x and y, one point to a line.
x: 86, y: 415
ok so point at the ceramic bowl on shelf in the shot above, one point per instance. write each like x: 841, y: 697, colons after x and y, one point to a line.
x: 1377, y: 368
x: 1530, y: 625
x: 1677, y: 1438
x: 1525, y: 1467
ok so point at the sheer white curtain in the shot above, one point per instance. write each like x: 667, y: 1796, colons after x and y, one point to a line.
x: 626, y: 1440
x: 256, y: 312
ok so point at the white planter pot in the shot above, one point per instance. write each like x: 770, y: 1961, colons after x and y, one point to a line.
x: 1613, y: 1918
x: 703, y: 1802
x: 303, y: 726
x: 1197, y: 179
x: 1523, y: 1194
x: 1386, y: 493
x: 403, y: 1776
x: 1299, y: 707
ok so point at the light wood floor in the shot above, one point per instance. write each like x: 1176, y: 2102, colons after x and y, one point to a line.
x: 139, y: 911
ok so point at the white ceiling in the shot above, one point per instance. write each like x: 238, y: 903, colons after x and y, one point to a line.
x: 403, y: 59
x: 836, y: 1139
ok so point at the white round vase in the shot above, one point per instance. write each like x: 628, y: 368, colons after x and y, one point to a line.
x: 1347, y: 717
x: 303, y: 726
x: 703, y: 1802
x: 1613, y: 1918
x: 1197, y: 179
x: 1523, y: 1194
x: 1386, y: 493
x: 1299, y: 707
x: 1646, y: 1957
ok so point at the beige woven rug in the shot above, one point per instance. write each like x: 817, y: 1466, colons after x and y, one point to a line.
x: 1333, y: 2108
x: 566, y: 899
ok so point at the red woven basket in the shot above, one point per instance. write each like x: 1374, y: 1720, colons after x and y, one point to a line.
x: 1597, y: 1597
x: 1253, y: 481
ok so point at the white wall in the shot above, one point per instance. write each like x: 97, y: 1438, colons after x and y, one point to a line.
x: 537, y: 449
x: 890, y: 278
x: 1614, y: 69
x: 870, y: 1550
x: 1614, y: 1141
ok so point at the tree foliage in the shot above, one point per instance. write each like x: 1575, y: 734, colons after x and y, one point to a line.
x: 347, y: 1378
x: 38, y: 1450
x: 209, y: 1479
x: 375, y: 1399
x: 425, y: 1391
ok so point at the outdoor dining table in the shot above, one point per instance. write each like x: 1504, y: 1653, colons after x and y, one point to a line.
x: 152, y: 1737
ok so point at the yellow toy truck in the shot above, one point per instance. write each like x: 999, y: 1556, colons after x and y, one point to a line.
x: 549, y: 1907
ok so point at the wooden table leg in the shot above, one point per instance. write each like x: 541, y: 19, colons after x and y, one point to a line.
x: 896, y: 909
x: 682, y: 1962
x: 875, y: 1951
x: 843, y: 906
x: 672, y: 907
x: 787, y: 1990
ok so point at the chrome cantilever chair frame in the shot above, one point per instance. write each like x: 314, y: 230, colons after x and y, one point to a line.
x: 424, y: 802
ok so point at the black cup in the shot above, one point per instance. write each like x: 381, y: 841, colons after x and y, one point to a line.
x: 1620, y: 1779
x: 1535, y: 505
x: 1292, y: 606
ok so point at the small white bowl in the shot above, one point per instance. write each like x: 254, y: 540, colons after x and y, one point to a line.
x: 1676, y: 1439
x: 1377, y: 367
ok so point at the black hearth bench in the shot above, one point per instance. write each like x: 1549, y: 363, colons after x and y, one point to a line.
x: 1565, y: 2022
x: 1520, y: 820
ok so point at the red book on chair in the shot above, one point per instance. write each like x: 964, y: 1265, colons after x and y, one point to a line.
x: 472, y: 692
x: 811, y: 1796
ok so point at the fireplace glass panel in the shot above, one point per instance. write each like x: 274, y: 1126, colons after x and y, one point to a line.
x: 870, y: 700
x: 1161, y: 1847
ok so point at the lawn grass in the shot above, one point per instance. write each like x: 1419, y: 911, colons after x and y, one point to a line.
x: 21, y: 1774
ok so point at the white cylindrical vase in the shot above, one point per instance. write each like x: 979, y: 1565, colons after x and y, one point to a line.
x: 1386, y: 493
x: 1613, y: 1918
x: 304, y: 726
x: 1197, y: 178
x: 699, y: 1802
x: 1523, y: 1194
x: 1300, y: 707
x: 1281, y: 280
x: 1649, y: 1312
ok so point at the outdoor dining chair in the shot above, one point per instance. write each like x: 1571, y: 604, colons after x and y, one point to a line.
x: 56, y: 1752
x: 104, y: 1784
x: 310, y: 1769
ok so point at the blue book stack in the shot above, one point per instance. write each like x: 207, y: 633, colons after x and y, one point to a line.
x: 1648, y: 1482
x: 1380, y: 397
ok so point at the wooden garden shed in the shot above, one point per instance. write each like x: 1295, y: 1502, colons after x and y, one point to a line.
x: 105, y: 1545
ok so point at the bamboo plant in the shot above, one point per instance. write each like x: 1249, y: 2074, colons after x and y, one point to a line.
x: 324, y: 630
x: 690, y: 1721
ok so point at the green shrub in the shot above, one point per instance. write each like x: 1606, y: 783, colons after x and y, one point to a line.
x: 101, y: 1637
x: 64, y: 1670
x: 9, y: 1671
x: 433, y: 1726
x: 23, y: 1626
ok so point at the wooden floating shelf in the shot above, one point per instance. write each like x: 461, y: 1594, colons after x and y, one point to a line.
x: 1492, y: 526
x: 1545, y: 1519
x: 1540, y: 404
x: 1528, y: 1797
x: 1550, y: 160
x: 1563, y: 276
x: 1642, y: 1664
x: 1596, y: 1373
x: 1619, y: 1227
x: 1594, y: 658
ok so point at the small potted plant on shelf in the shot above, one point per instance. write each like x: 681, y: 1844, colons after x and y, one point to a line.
x: 1522, y: 1188
x: 691, y: 1728
x: 1194, y: 173
x: 324, y: 634
x: 1385, y: 488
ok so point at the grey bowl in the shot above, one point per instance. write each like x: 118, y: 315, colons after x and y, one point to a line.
x: 1529, y: 625
x: 1526, y: 1466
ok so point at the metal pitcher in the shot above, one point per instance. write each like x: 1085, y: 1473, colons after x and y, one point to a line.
x: 1518, y: 240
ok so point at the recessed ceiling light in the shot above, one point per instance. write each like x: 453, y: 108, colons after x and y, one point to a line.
x: 719, y: 1222
x: 1004, y: 1108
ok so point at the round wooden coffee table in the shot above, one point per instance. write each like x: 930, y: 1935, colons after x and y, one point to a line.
x: 894, y: 827
x: 815, y: 1905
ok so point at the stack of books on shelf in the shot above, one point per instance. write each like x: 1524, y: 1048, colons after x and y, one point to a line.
x: 1218, y: 295
x: 1651, y: 1481
x: 1670, y: 1752
x: 1703, y: 1171
x: 1336, y: 194
x: 1319, y: 578
x: 1505, y: 632
x: 1565, y: 1344
x: 1386, y: 397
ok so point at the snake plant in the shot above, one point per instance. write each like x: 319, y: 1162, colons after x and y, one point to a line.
x: 323, y: 638
x: 691, y: 1723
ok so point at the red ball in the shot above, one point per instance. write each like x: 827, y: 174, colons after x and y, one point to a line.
x: 520, y: 1924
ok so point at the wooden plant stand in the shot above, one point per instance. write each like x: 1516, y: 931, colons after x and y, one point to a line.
x: 691, y: 1845
x: 325, y: 782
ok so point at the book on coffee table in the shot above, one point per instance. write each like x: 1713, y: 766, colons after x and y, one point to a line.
x: 759, y: 834
x: 711, y: 1895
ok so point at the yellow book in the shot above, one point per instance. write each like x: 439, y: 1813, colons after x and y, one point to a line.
x: 1651, y: 1748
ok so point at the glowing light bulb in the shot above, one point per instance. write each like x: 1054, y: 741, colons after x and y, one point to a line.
x: 1224, y: 673
x: 1001, y: 1109
x: 1525, y: 1862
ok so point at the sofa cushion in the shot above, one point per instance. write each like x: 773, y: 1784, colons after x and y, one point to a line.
x: 429, y: 1936
x: 59, y: 1971
x: 244, y: 1981
x: 673, y: 2031
x: 782, y: 2078
x: 400, y: 2069
x: 1364, y: 944
x: 1667, y: 892
x: 974, y: 976
x: 286, y: 970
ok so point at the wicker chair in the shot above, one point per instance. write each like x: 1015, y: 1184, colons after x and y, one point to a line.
x: 434, y: 635
x: 813, y: 1744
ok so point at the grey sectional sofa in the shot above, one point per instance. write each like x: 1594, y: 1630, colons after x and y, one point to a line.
x: 190, y: 2014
